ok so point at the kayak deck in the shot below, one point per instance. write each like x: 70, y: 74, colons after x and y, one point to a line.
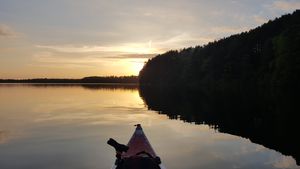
x: 138, y: 154
x: 138, y: 143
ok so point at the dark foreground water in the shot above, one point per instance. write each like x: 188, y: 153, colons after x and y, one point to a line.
x: 67, y: 126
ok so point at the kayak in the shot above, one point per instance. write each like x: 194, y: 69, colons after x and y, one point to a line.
x: 137, y: 154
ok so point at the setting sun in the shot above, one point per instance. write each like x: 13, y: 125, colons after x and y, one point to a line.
x: 137, y: 66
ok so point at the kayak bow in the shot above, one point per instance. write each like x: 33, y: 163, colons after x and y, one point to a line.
x: 138, y: 154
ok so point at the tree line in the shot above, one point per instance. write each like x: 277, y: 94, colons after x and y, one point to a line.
x: 91, y: 79
x: 268, y: 55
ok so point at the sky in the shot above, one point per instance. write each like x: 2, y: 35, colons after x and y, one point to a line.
x: 79, y: 38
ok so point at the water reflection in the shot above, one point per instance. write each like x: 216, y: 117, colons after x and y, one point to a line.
x: 54, y: 126
x: 268, y: 119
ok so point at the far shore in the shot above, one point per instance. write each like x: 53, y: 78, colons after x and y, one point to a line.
x: 85, y: 80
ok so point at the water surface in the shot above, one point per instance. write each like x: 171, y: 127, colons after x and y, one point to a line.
x: 67, y: 126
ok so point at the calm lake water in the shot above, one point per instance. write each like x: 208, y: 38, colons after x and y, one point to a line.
x: 67, y: 126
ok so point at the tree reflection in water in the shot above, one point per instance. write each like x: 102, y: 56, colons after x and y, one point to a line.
x: 267, y: 118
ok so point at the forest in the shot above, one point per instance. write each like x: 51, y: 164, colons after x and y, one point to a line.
x: 265, y: 57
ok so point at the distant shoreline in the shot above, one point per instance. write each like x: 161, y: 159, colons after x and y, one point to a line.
x: 60, y: 83
x: 85, y: 80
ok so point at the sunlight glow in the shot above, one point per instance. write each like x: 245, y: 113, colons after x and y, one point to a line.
x: 137, y: 67
x: 132, y: 66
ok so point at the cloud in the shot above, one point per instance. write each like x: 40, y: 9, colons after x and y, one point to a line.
x: 285, y: 162
x: 81, y: 60
x: 3, y: 137
x: 274, y: 9
x: 228, y: 29
x: 91, y: 56
x: 182, y: 40
x: 259, y: 19
x: 223, y: 137
x: 132, y: 56
x: 285, y: 5
x: 6, y: 136
x: 137, y: 48
x: 6, y: 31
x: 53, y: 58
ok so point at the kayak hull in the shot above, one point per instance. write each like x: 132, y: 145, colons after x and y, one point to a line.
x: 138, y: 143
x: 160, y: 165
x: 140, y: 154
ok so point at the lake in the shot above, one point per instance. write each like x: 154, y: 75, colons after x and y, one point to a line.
x: 67, y: 126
